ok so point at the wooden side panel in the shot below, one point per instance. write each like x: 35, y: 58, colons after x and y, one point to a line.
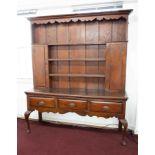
x: 38, y: 58
x: 115, y: 66
x: 119, y: 30
x: 39, y: 36
x: 51, y: 33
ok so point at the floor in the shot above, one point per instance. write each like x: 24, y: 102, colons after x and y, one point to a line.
x: 51, y: 139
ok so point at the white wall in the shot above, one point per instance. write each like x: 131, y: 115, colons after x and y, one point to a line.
x: 25, y: 82
x: 132, y: 72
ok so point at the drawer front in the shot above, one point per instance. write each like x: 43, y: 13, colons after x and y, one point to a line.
x: 72, y: 104
x: 42, y: 102
x: 109, y: 107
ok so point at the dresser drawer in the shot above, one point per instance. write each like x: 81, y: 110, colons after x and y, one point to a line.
x: 72, y: 104
x: 42, y: 102
x: 109, y: 107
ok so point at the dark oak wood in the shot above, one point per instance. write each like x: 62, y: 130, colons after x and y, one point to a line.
x: 42, y: 101
x: 91, y: 93
x: 115, y: 60
x: 79, y: 75
x: 40, y: 116
x: 79, y: 65
x: 108, y: 15
x: 84, y: 103
x: 72, y: 104
x: 80, y: 59
x: 119, y: 125
x: 79, y: 44
x: 38, y: 59
x: 125, y: 125
x: 109, y: 107
x: 27, y: 114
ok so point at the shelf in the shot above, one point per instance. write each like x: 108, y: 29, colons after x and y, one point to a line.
x: 80, y: 59
x: 79, y: 75
x: 76, y: 44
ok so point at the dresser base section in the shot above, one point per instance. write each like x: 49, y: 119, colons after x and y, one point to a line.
x: 104, y: 107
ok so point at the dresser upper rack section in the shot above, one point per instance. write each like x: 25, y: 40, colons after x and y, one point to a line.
x: 85, y: 17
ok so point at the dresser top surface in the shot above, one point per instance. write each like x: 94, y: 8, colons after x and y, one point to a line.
x: 79, y: 93
x: 127, y: 11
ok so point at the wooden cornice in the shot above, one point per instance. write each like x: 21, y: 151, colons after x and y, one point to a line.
x: 84, y: 17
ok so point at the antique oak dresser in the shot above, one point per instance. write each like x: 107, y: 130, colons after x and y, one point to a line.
x: 79, y: 65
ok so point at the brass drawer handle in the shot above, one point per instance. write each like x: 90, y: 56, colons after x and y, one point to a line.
x: 72, y: 105
x: 105, y: 108
x: 41, y: 103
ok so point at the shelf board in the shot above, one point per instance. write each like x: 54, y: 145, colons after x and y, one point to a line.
x: 80, y: 59
x: 75, y: 44
x: 79, y: 75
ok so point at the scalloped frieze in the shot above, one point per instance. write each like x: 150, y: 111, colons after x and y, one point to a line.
x: 78, y: 19
x: 81, y: 113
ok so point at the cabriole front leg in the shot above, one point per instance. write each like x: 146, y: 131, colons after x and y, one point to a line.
x: 27, y: 114
x: 124, y: 123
